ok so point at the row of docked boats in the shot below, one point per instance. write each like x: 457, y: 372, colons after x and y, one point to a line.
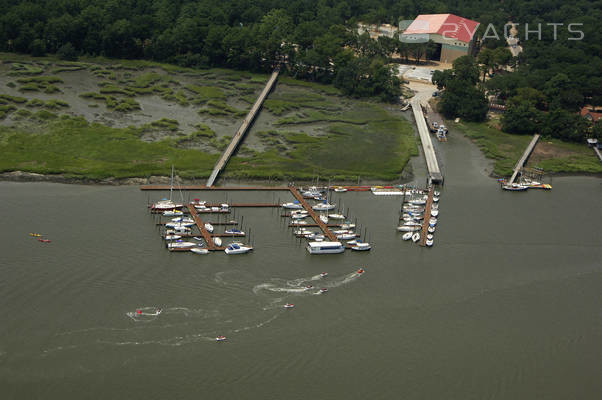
x: 413, y: 218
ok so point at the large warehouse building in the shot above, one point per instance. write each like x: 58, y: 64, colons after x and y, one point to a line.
x: 454, y: 35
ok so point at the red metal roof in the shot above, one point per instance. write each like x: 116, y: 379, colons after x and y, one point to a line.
x: 447, y: 25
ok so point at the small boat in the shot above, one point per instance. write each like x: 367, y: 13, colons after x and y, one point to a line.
x: 429, y: 236
x: 407, y: 235
x: 336, y: 216
x: 234, y: 232
x: 308, y: 287
x: 433, y: 221
x: 323, y: 290
x: 43, y: 240
x: 435, y: 199
x: 217, y: 241
x: 408, y: 228
x: 434, y: 206
x: 172, y: 237
x: 412, y: 223
x: 199, y: 251
x: 292, y: 206
x: 221, y: 338
x: 237, y: 248
x: 175, y: 231
x: 361, y: 246
x: 324, y: 206
x: 515, y: 187
x: 437, y: 193
x: 347, y: 226
x: 289, y: 305
x: 360, y: 271
x: 419, y: 202
x: 209, y: 227
x: 434, y: 213
x: 180, y: 245
x: 35, y: 234
x: 324, y: 218
x: 429, y: 242
x: 352, y: 242
x: 172, y: 213
x: 415, y: 237
x: 323, y: 274
x: 215, y: 209
x: 165, y: 205
x: 340, y: 231
x: 340, y: 189
x: 325, y: 247
x: 198, y: 238
x: 176, y: 225
x: 180, y: 219
x: 431, y: 229
x: 299, y: 215
x: 346, y: 236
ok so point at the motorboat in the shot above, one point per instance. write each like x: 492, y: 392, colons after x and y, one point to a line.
x: 419, y: 202
x: 434, y: 206
x: 221, y: 339
x: 303, y: 232
x: 177, y: 225
x: 177, y: 231
x: 289, y: 305
x: 198, y: 202
x: 312, y: 192
x: 323, y: 274
x: 179, y: 244
x: 44, y: 240
x: 217, y: 241
x: 433, y: 221
x: 324, y: 218
x: 209, y: 227
x: 437, y: 193
x: 324, y: 206
x: 215, y: 209
x: 298, y: 223
x: 361, y: 271
x: 429, y: 242
x: 180, y: 219
x: 323, y: 290
x: 408, y: 228
x: 172, y: 213
x: 352, y: 242
x: 516, y: 187
x: 431, y: 229
x: 407, y: 235
x: 237, y: 248
x: 361, y: 246
x: 435, y: 199
x: 412, y: 223
x: 340, y: 189
x: 434, y: 213
x: 199, y: 251
x: 317, y: 237
x: 340, y: 231
x: 197, y: 238
x: 325, y: 247
x: 172, y: 237
x: 336, y: 216
x: 292, y: 206
x: 234, y: 232
x: 347, y: 226
x: 415, y: 237
x: 308, y: 287
x: 346, y: 236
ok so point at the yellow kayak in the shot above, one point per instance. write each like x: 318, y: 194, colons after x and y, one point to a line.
x: 35, y: 234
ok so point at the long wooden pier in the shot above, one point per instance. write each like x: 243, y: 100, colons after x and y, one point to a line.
x: 521, y: 162
x: 427, y: 217
x: 201, y: 226
x: 221, y: 163
x: 331, y: 236
x: 435, y: 175
x: 598, y: 153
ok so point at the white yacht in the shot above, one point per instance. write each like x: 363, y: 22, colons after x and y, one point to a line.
x: 407, y: 235
x: 177, y: 225
x: 167, y: 204
x: 172, y: 213
x: 209, y: 227
x: 197, y: 250
x: 408, y: 228
x: 292, y: 206
x: 237, y: 248
x: 172, y: 237
x: 217, y: 241
x: 325, y: 247
x: 324, y: 207
x: 181, y: 245
x: 415, y: 237
x: 235, y: 232
x: 336, y: 216
x: 346, y: 236
x: 324, y: 218
x: 361, y: 246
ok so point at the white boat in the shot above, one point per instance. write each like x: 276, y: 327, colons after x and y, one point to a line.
x: 325, y: 247
x: 289, y: 305
x: 435, y: 199
x: 418, y: 202
x: 347, y: 226
x: 234, y: 232
x: 181, y: 245
x: 408, y: 228
x: 434, y: 206
x: 340, y: 231
x: 433, y: 221
x: 172, y: 237
x: 429, y: 242
x: 167, y: 204
x: 180, y: 219
x: 431, y: 229
x: 437, y: 193
x: 221, y: 338
x: 199, y: 251
x: 324, y: 207
x: 323, y: 274
x: 316, y: 237
x: 434, y: 213
x: 323, y: 290
x: 298, y: 223
x: 237, y: 248
x: 209, y: 227
x: 292, y: 206
x: 217, y: 241
x: 346, y: 236
x: 324, y: 218
x: 340, y: 189
x: 352, y: 242
x: 361, y: 246
x: 336, y: 216
x: 412, y: 223
x: 215, y: 209
x: 302, y: 232
x: 176, y: 231
x: 172, y: 213
x: 429, y: 236
x: 407, y: 235
x: 415, y: 237
x: 177, y: 225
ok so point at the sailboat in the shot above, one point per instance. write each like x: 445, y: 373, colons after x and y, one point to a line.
x: 167, y: 204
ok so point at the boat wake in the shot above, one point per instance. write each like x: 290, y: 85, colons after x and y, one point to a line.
x: 302, y: 285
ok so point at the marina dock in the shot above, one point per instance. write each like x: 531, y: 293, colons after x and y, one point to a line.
x: 201, y: 225
x: 435, y: 175
x: 221, y: 163
x: 427, y: 217
x: 331, y: 236
x: 521, y: 162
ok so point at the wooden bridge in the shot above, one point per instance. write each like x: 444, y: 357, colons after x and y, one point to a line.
x: 521, y: 162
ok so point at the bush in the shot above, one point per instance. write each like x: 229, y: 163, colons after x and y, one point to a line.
x: 67, y: 52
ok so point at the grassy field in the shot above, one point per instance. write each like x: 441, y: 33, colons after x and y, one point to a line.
x: 552, y: 155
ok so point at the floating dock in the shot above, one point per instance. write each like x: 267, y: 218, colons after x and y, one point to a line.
x: 221, y: 163
x: 201, y: 225
x: 435, y: 175
x: 521, y: 162
x: 331, y: 236
x: 427, y: 217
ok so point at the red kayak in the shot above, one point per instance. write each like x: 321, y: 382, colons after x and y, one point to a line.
x: 44, y: 240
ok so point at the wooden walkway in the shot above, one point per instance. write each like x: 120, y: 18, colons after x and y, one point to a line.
x: 201, y: 226
x: 331, y: 236
x: 435, y: 175
x: 521, y: 162
x: 228, y: 188
x: 598, y: 153
x: 221, y: 163
x: 427, y: 217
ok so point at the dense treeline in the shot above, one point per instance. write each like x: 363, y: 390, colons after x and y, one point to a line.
x: 318, y: 40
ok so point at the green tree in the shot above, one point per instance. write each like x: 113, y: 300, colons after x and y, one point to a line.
x: 67, y: 52
x: 521, y: 117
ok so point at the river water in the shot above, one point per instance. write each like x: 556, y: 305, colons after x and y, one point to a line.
x: 506, y: 305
